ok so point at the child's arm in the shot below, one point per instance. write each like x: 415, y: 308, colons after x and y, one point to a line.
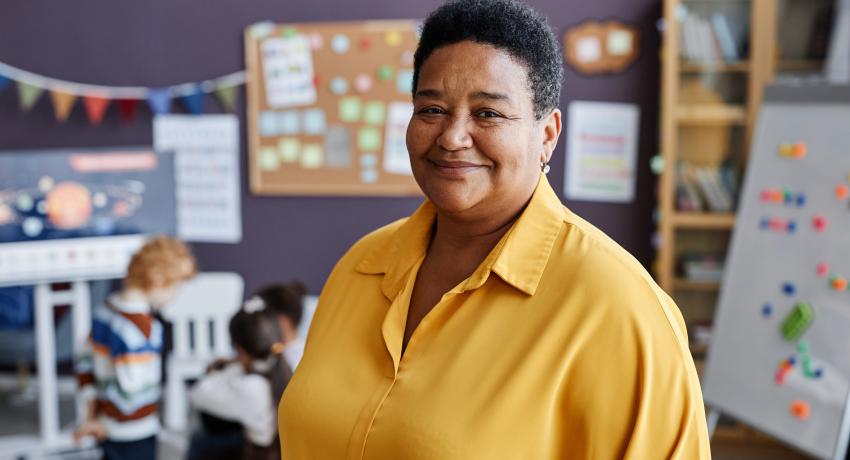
x: 85, y: 384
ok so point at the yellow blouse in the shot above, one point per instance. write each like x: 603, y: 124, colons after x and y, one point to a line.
x: 559, y: 346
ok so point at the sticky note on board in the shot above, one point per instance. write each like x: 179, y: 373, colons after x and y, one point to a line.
x: 288, y: 149
x: 268, y: 159
x: 314, y: 121
x: 404, y: 81
x: 349, y: 109
x: 338, y: 147
x: 268, y: 124
x: 312, y: 156
x: 369, y: 139
x: 289, y: 122
x: 375, y: 113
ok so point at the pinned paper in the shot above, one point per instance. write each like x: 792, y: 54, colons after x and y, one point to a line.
x: 288, y: 71
x: 95, y: 108
x: 368, y: 161
x: 311, y: 156
x: 340, y: 44
x: 288, y: 122
x: 385, y: 72
x: 349, y: 109
x: 363, y: 83
x: 396, y: 158
x: 268, y: 124
x: 62, y: 104
x: 127, y: 107
x: 194, y: 101
x: 338, y: 146
x: 28, y: 95
x: 369, y: 176
x: 316, y: 41
x: 159, y: 100
x: 339, y: 86
x: 314, y: 121
x: 369, y: 139
x: 268, y: 159
x: 393, y: 38
x: 374, y: 113
x: 404, y: 81
x: 288, y: 149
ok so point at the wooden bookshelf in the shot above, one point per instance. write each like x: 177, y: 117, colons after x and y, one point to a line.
x: 715, y: 67
x: 708, y: 110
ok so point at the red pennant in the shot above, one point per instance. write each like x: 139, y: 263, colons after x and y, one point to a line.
x: 95, y: 108
x: 128, y: 109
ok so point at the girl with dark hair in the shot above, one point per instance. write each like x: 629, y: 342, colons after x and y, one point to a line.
x: 285, y: 302
x: 245, y: 391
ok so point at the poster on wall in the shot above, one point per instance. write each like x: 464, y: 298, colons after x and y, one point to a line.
x: 80, y: 214
x: 601, y: 151
x: 206, y: 160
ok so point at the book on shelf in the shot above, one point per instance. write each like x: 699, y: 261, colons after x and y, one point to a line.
x: 709, y: 40
x: 706, y: 188
x: 702, y: 268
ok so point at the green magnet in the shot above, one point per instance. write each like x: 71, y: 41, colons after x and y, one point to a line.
x: 798, y: 320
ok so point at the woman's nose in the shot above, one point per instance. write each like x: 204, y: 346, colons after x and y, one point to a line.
x: 455, y: 135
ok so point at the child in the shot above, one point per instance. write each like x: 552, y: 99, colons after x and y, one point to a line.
x: 119, y: 370
x: 245, y: 391
x: 285, y: 300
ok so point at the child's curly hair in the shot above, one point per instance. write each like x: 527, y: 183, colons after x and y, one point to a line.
x: 161, y: 262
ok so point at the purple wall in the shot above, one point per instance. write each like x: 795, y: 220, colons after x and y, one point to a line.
x: 163, y: 42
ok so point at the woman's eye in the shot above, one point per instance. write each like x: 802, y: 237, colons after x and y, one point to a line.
x: 488, y: 114
x: 431, y: 111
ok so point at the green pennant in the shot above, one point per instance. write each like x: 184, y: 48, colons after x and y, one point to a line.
x: 28, y: 95
x: 227, y: 97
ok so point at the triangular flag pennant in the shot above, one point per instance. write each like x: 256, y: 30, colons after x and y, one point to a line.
x: 128, y: 109
x: 95, y: 107
x: 159, y: 100
x: 194, y: 101
x: 63, y: 102
x: 227, y: 97
x: 28, y: 95
x: 4, y: 82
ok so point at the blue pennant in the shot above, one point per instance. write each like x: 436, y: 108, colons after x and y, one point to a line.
x: 159, y: 100
x: 194, y: 101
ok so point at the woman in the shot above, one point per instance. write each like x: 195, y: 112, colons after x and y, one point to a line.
x: 492, y: 323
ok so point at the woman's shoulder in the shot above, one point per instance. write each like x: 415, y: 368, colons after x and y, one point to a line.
x: 370, y: 243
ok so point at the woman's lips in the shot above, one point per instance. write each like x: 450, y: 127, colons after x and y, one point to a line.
x: 455, y: 168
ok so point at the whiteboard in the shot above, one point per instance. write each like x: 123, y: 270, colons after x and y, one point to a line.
x: 748, y: 349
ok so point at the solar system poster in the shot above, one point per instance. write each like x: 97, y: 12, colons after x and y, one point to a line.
x: 61, y: 194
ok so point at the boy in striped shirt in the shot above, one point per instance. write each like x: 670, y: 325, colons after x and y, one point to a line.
x: 120, y: 368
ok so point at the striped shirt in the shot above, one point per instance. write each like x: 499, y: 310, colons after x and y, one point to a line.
x: 120, y: 368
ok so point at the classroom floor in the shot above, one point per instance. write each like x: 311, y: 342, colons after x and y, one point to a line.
x: 19, y: 416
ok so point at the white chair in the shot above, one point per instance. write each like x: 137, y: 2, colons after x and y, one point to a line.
x: 199, y: 314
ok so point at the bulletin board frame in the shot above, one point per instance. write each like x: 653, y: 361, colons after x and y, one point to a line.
x: 373, y: 46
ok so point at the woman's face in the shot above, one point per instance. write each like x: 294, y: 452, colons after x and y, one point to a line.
x: 475, y: 146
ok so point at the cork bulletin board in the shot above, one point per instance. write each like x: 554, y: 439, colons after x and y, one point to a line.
x: 328, y: 107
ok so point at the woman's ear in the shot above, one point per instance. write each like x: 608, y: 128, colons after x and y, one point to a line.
x: 551, y: 125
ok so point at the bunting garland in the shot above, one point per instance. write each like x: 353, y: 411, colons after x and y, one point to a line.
x: 96, y: 99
